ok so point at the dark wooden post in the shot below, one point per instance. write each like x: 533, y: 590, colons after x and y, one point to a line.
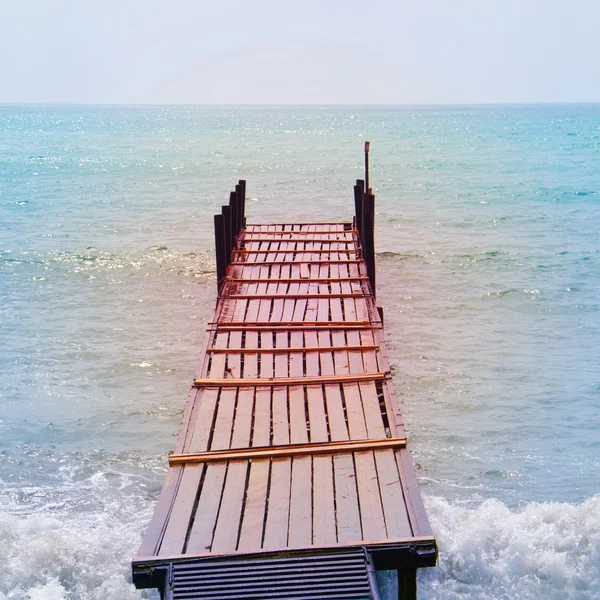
x: 364, y: 207
x: 359, y: 203
x: 221, y: 253
x: 233, y: 206
x: 367, y: 188
x: 226, y: 210
x: 228, y: 226
x: 242, y: 185
x: 361, y: 184
x: 370, y: 207
x: 239, y: 198
x: 358, y: 209
x: 370, y: 203
x: 407, y: 584
x: 369, y: 249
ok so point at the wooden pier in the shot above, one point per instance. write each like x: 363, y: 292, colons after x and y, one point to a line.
x: 291, y: 477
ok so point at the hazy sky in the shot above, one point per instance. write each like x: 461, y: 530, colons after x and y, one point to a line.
x: 302, y: 52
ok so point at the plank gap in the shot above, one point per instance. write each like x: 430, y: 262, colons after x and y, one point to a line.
x: 194, y: 509
x: 241, y: 520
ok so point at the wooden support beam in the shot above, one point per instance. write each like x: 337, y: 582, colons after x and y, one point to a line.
x: 289, y: 296
x: 287, y: 350
x: 296, y: 262
x: 292, y: 324
x: 287, y: 381
x: 407, y: 584
x: 391, y: 543
x: 288, y: 327
x: 298, y: 240
x: 297, y: 279
x: 299, y: 251
x: 301, y: 224
x: 287, y: 450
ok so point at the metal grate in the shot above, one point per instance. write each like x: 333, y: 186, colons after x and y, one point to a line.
x: 343, y: 576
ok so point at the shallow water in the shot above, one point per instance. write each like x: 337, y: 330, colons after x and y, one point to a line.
x: 488, y: 269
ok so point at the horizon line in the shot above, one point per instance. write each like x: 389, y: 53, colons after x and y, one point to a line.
x: 291, y: 105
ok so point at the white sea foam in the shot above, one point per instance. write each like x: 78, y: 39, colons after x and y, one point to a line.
x: 72, y: 534
x: 69, y: 556
x: 542, y: 550
x: 549, y: 551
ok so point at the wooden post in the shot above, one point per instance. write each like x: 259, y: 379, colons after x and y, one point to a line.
x: 368, y: 235
x: 370, y: 204
x: 239, y: 192
x: 361, y: 184
x: 233, y: 205
x: 242, y: 184
x: 220, y: 251
x: 407, y: 584
x: 369, y: 249
x: 359, y: 198
x: 367, y: 188
x: 358, y: 209
x: 226, y: 210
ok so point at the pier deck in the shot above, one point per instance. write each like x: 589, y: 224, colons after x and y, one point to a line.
x: 291, y: 477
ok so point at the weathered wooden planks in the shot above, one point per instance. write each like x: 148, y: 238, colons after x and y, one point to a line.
x: 290, y: 438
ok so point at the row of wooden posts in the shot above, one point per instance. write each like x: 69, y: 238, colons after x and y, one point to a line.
x: 228, y: 226
x: 364, y: 223
x: 232, y: 219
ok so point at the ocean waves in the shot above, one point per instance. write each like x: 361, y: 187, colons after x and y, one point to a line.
x: 70, y: 522
x: 83, y: 362
x: 92, y: 262
x: 80, y: 549
x: 547, y: 550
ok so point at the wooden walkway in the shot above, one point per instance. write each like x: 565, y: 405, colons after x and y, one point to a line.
x: 292, y: 444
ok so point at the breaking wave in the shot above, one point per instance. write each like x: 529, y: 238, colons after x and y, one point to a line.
x: 490, y: 552
x: 544, y: 550
x: 72, y: 537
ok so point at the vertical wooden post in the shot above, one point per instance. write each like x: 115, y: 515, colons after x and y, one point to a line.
x: 220, y: 251
x: 227, y: 228
x: 369, y: 249
x: 370, y: 204
x: 360, y: 216
x: 364, y: 206
x: 361, y: 184
x: 358, y: 209
x: 367, y: 188
x: 407, y: 584
x: 243, y: 203
x: 240, y: 209
x: 233, y: 206
x: 368, y: 237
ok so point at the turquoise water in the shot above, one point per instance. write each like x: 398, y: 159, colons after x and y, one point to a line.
x: 488, y: 223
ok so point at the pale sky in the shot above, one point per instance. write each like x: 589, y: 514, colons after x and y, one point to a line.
x: 304, y: 52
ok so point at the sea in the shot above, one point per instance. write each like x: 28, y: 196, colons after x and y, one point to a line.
x: 488, y: 268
